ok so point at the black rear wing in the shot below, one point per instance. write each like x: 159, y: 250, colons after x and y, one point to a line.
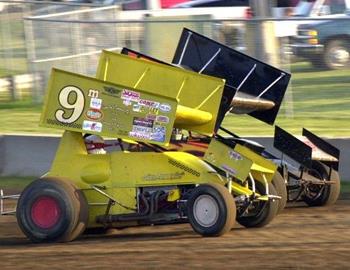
x: 243, y: 74
x: 308, y: 148
x: 324, y: 146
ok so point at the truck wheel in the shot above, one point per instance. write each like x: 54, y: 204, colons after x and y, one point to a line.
x: 330, y: 193
x: 337, y: 54
x: 211, y: 210
x: 260, y: 213
x: 52, y: 210
x: 281, y: 189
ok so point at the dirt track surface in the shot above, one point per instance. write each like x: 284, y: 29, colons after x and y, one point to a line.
x: 299, y: 238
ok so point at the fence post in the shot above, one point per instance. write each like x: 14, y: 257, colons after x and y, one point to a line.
x: 7, y: 36
x: 31, y: 57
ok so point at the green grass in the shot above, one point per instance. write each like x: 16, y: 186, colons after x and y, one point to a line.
x: 321, y: 103
x: 15, y: 183
x: 22, y: 117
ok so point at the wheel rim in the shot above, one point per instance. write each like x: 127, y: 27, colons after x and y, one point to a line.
x: 339, y: 56
x: 314, y: 191
x: 45, y: 212
x: 206, y: 210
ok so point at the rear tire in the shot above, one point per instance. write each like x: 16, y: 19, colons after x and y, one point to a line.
x: 260, y: 213
x: 211, y: 210
x: 52, y: 210
x: 330, y: 192
x: 281, y: 189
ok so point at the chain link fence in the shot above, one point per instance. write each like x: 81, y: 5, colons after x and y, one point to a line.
x: 38, y: 37
x: 16, y: 78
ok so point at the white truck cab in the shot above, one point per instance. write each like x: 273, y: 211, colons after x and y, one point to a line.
x: 319, y: 8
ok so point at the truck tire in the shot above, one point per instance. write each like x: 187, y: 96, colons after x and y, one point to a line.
x: 260, y: 213
x: 330, y: 192
x: 281, y: 189
x: 211, y: 210
x: 337, y: 54
x: 52, y: 210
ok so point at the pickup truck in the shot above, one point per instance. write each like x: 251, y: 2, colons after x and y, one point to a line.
x: 326, y: 44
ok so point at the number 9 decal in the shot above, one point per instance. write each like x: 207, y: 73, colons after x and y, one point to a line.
x: 77, y: 106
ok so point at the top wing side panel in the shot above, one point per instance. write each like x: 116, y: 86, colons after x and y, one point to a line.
x: 88, y: 105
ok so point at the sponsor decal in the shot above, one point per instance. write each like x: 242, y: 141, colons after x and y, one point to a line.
x: 139, y: 135
x: 111, y: 91
x: 93, y: 93
x: 130, y: 95
x: 143, y: 122
x: 229, y: 169
x: 127, y: 102
x: 165, y: 107
x: 151, y: 117
x: 148, y: 103
x: 94, y: 114
x: 144, y: 130
x: 183, y: 167
x: 158, y: 134
x: 162, y: 119
x: 234, y: 155
x: 92, y: 126
x: 96, y: 103
x: 136, y: 107
x: 163, y: 176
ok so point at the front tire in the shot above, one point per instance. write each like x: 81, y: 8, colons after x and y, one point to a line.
x: 211, y: 210
x: 260, y: 213
x: 52, y: 210
x: 281, y: 189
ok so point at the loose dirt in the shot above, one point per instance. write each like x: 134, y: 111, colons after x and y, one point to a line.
x: 299, y: 238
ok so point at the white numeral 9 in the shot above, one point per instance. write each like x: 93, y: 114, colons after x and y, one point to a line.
x: 77, y: 106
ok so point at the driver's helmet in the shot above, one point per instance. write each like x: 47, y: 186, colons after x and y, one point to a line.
x: 94, y: 144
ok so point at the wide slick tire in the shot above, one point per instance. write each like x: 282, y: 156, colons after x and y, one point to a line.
x: 330, y: 193
x: 260, y: 213
x: 52, y: 210
x: 211, y: 210
x: 281, y: 189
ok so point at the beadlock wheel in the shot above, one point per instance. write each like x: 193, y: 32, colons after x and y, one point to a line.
x: 211, y: 210
x: 52, y: 210
x: 206, y: 210
x: 45, y: 212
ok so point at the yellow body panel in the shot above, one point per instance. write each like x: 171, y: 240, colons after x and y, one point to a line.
x: 227, y: 159
x: 261, y: 166
x: 201, y: 94
x: 120, y: 173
